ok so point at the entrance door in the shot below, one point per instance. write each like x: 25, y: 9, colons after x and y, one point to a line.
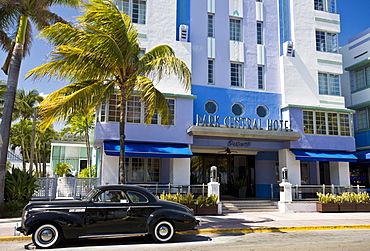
x: 233, y: 170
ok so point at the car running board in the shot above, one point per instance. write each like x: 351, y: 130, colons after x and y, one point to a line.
x: 111, y: 235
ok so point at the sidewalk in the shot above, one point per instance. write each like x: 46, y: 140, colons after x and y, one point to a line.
x: 250, y: 222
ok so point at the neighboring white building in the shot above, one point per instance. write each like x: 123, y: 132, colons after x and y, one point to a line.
x: 355, y: 86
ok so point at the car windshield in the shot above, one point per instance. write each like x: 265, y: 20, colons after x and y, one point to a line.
x: 91, y: 194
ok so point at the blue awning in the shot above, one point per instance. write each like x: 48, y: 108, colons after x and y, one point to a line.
x: 311, y: 155
x: 363, y: 155
x: 148, y: 150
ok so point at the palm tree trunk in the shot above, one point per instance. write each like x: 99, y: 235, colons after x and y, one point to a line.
x: 33, y: 139
x: 11, y: 90
x: 122, y: 120
x: 87, y: 139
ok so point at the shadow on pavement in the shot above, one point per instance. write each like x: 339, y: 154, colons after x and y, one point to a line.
x: 136, y: 240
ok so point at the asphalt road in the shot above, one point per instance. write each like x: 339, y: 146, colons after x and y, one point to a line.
x: 354, y: 240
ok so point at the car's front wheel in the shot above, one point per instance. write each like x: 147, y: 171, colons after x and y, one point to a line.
x: 163, y: 231
x: 46, y: 236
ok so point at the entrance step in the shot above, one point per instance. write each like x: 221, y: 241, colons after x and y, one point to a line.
x: 245, y: 206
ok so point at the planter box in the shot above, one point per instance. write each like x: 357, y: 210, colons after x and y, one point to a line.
x: 327, y: 207
x: 210, y: 210
x: 347, y: 207
x: 192, y: 207
x: 363, y: 207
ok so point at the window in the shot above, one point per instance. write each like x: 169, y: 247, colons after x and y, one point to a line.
x: 237, y: 109
x: 136, y: 9
x: 211, y: 107
x: 137, y: 197
x: 262, y: 111
x: 362, y: 77
x: 305, y: 173
x: 326, y: 123
x: 326, y: 41
x: 235, y: 29
x: 135, y: 111
x: 329, y: 84
x: 326, y: 5
x: 259, y: 33
x: 112, y: 196
x: 143, y: 169
x: 211, y: 26
x: 363, y: 118
x: 211, y: 71
x: 261, y: 84
x: 236, y: 74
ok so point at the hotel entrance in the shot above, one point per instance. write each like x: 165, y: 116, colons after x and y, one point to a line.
x: 236, y: 173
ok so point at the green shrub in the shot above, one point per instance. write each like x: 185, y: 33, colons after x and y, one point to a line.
x: 85, y: 173
x: 62, y: 169
x: 188, y: 199
x: 19, y: 185
x: 12, y: 209
x: 347, y: 197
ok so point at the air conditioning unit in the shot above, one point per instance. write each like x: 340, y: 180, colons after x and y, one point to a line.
x: 183, y: 32
x: 288, y: 49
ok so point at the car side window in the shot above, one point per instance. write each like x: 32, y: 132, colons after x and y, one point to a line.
x: 112, y: 196
x: 137, y: 197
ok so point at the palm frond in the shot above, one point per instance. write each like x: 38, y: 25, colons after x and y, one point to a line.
x: 159, y: 68
x: 76, y: 98
x: 153, y: 99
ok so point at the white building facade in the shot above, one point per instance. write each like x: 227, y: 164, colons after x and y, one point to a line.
x: 355, y: 86
x: 266, y: 95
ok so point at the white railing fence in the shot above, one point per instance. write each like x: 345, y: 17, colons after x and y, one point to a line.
x: 308, y: 192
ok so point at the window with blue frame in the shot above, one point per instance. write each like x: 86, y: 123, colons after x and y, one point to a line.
x: 326, y: 41
x: 326, y: 5
x: 329, y: 84
x: 136, y: 9
x: 235, y: 29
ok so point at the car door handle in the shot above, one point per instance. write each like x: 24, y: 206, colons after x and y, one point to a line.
x: 129, y: 211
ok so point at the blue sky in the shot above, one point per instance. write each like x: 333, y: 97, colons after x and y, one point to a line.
x: 354, y: 19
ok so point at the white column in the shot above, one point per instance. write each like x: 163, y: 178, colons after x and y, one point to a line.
x: 339, y: 173
x: 287, y: 159
x: 180, y: 171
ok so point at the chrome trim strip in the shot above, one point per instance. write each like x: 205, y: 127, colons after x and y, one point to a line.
x: 110, y: 235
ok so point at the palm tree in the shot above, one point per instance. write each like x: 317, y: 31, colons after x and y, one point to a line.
x: 25, y: 103
x: 2, y: 96
x: 100, y: 55
x: 15, y: 38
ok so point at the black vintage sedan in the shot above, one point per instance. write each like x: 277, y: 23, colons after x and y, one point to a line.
x: 107, y: 211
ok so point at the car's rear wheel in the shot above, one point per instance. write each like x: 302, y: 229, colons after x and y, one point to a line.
x: 46, y: 236
x: 163, y: 231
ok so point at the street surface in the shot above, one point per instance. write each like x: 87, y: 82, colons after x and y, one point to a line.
x: 338, y: 240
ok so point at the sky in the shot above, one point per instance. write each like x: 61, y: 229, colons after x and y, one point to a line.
x: 354, y: 19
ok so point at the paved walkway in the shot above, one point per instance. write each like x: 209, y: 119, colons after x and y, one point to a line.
x: 251, y: 222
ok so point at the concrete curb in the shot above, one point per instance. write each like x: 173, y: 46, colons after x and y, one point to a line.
x: 271, y: 229
x: 231, y: 231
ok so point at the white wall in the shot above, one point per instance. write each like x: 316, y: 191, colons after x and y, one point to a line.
x: 180, y: 171
x: 339, y: 173
x: 287, y: 159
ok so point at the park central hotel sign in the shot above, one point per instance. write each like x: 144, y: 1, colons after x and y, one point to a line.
x: 243, y: 123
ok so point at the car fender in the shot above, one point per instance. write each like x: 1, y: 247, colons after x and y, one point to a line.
x: 178, y: 218
x: 66, y: 221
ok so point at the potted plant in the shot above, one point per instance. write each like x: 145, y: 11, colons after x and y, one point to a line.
x: 189, y: 201
x: 362, y: 203
x: 241, y: 186
x: 347, y: 202
x: 327, y: 203
x: 207, y: 205
x: 63, y: 169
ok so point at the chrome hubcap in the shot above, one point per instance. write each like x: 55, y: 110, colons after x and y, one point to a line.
x: 163, y: 230
x: 46, y: 235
